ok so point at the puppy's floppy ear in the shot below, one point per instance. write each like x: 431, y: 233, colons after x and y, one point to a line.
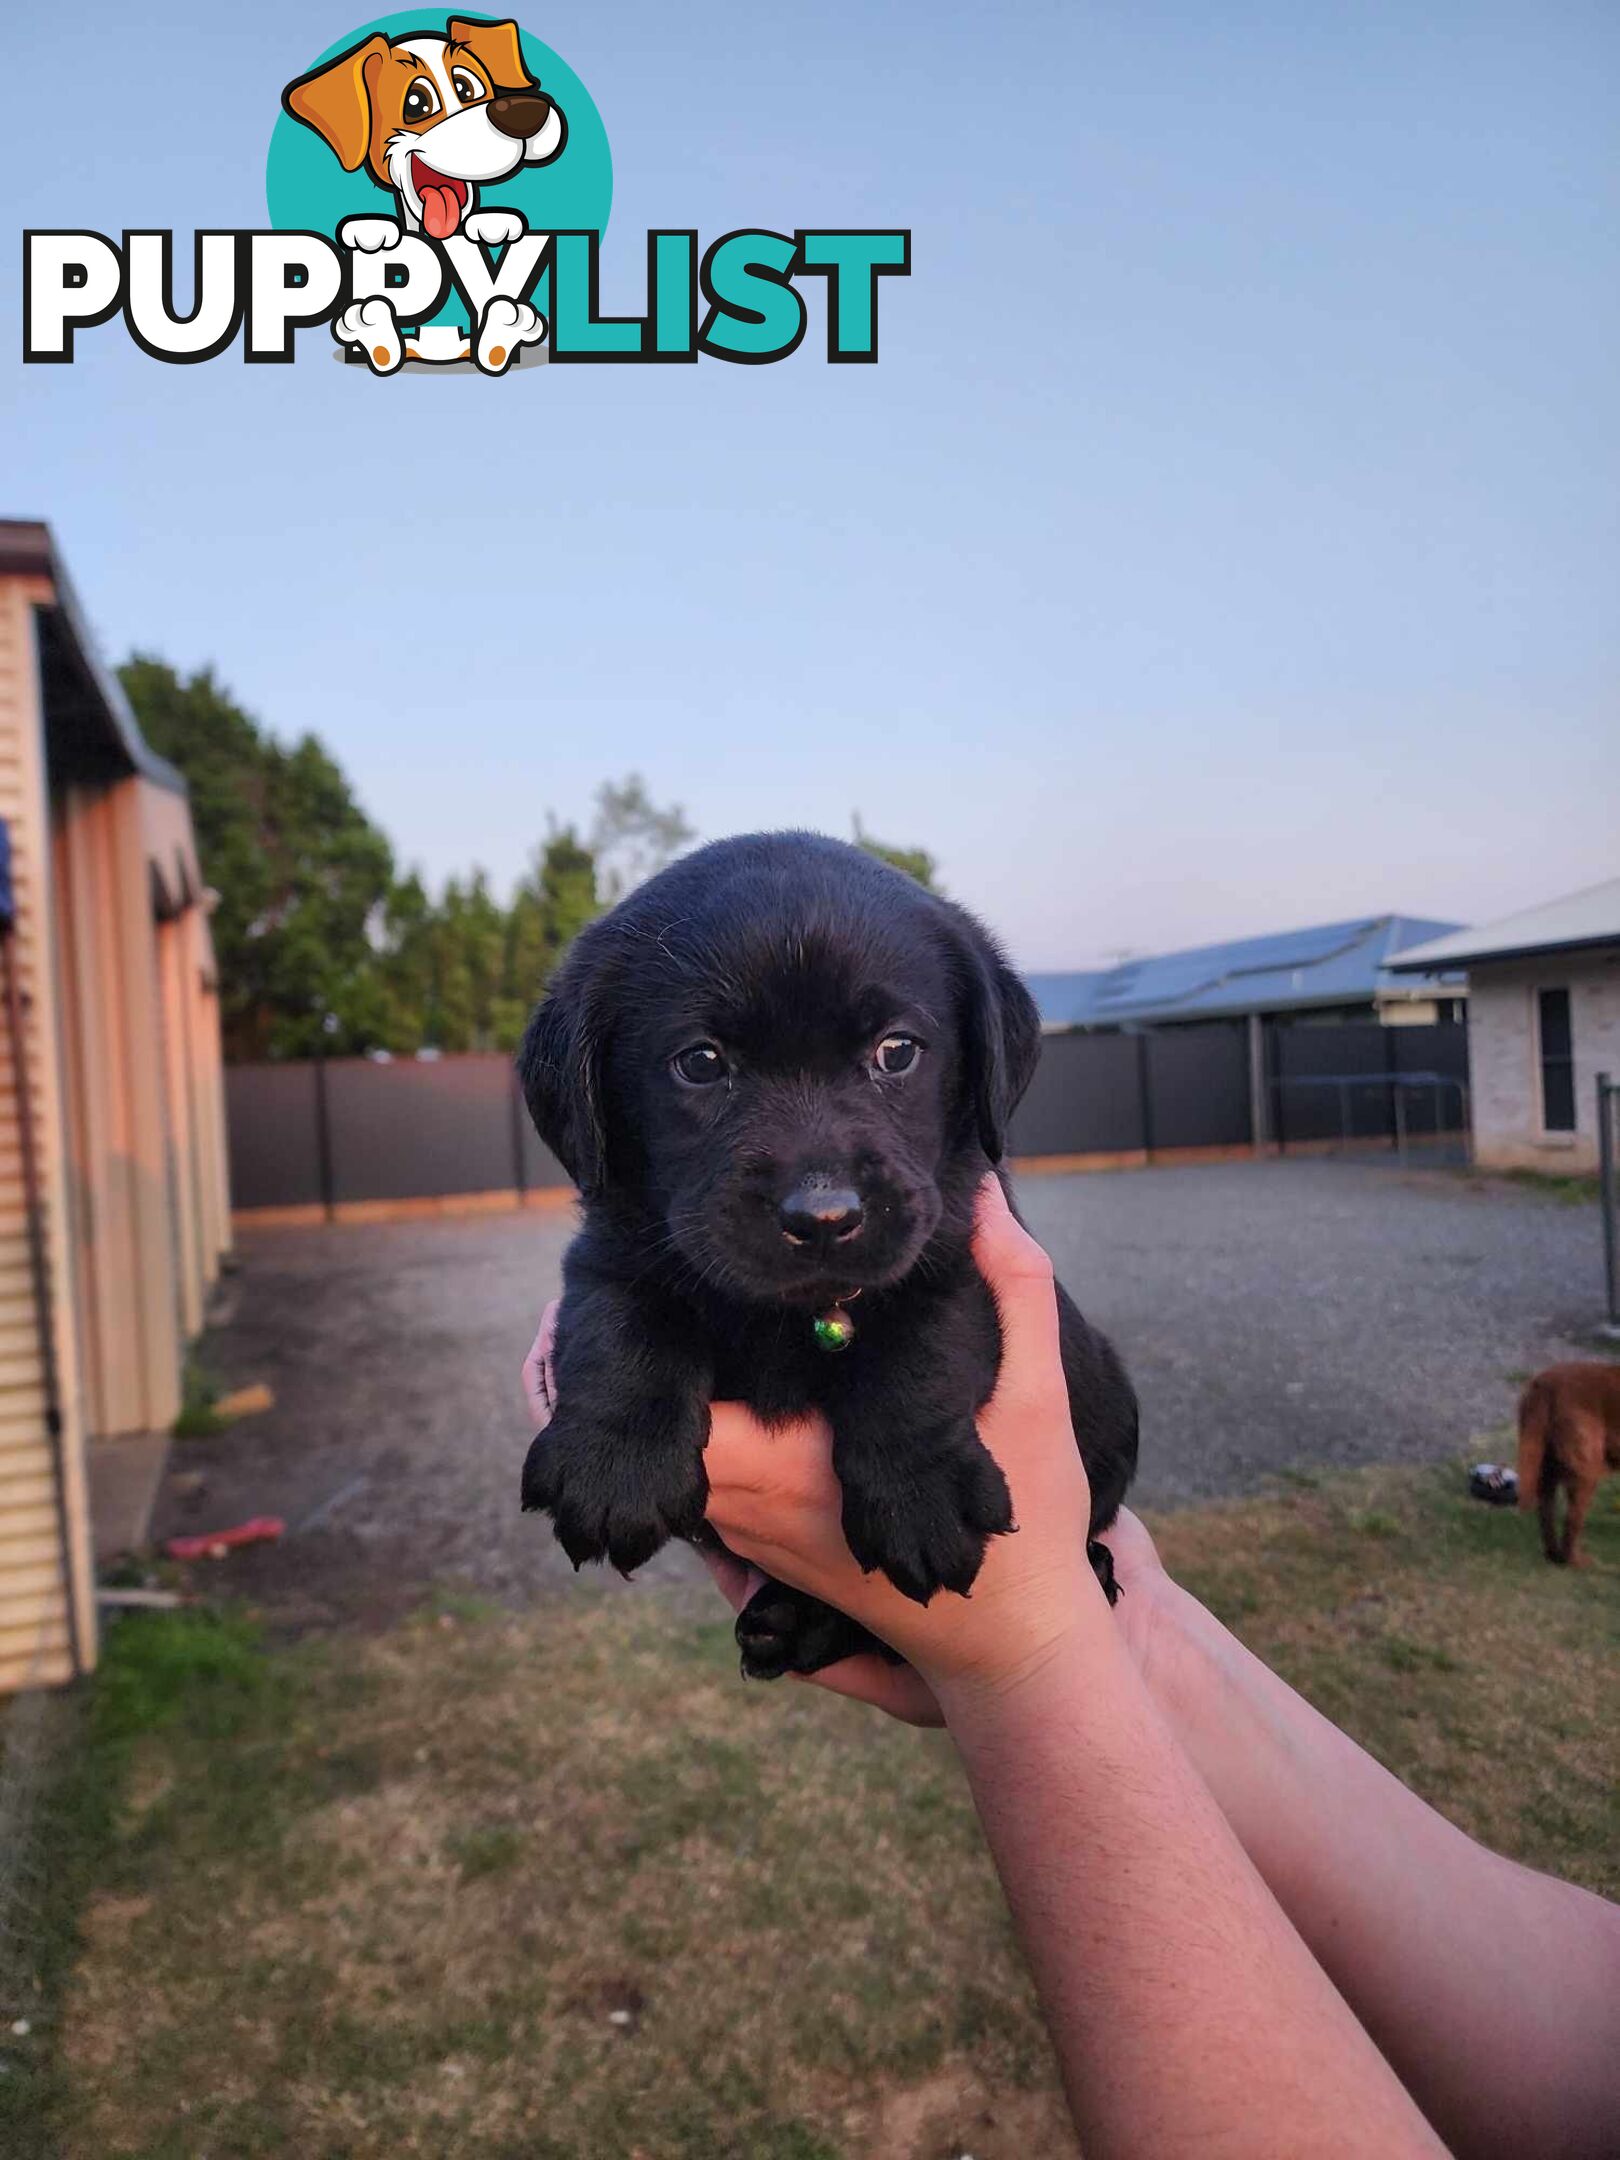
x: 1001, y: 1033
x: 335, y: 100
x: 495, y: 46
x: 559, y: 1069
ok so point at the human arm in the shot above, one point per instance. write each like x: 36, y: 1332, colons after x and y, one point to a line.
x: 1492, y: 1990
x: 1186, y: 2012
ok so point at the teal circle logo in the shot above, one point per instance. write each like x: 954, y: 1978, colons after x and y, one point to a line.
x: 309, y: 190
x: 438, y: 126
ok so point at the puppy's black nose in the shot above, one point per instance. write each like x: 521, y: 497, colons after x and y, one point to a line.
x: 519, y: 113
x: 821, y: 1215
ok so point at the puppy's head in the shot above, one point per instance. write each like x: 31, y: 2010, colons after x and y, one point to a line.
x: 786, y: 1060
x: 432, y: 115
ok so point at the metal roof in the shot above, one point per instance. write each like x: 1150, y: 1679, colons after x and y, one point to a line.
x: 1589, y: 917
x: 1344, y: 963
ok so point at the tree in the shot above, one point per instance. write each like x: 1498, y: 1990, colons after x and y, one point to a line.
x: 915, y: 862
x: 632, y: 838
x: 404, y: 940
x: 552, y: 904
x: 320, y: 946
x: 299, y: 868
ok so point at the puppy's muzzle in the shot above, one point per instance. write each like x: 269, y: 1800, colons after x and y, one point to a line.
x: 819, y: 1216
x: 519, y: 113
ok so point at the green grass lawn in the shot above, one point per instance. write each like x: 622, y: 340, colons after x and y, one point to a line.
x: 560, y: 1885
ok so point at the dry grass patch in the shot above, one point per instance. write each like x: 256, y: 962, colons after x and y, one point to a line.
x: 561, y: 1887
x: 1430, y: 1627
x: 552, y: 1886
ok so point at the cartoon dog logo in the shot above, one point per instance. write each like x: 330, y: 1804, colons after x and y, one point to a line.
x: 433, y: 117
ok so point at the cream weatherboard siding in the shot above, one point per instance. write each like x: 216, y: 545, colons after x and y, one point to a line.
x: 46, y: 1594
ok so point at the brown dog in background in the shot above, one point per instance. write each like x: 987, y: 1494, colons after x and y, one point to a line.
x: 1569, y: 1434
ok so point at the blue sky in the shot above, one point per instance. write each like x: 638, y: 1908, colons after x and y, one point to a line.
x: 1227, y: 538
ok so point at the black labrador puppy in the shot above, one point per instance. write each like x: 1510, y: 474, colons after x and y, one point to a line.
x: 778, y: 1072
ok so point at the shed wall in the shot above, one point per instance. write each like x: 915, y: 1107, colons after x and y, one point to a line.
x: 46, y: 1589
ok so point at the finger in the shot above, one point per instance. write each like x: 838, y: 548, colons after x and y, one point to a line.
x: 758, y: 1466
x: 539, y: 1388
x: 1020, y: 1278
x: 1131, y: 1543
x: 894, y: 1689
x: 734, y: 1579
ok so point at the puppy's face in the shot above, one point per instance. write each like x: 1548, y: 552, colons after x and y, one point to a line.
x: 792, y: 1104
x: 784, y: 1053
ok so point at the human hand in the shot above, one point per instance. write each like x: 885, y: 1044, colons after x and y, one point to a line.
x: 896, y: 1689
x: 539, y: 1379
x: 775, y: 1500
x: 795, y: 1467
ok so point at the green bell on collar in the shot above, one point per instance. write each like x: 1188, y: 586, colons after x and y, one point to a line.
x: 833, y: 1329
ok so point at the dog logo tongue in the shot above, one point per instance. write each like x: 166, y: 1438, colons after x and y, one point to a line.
x: 441, y: 211
x: 443, y: 199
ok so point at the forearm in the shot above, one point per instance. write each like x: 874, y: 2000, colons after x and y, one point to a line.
x: 1186, y: 2013
x: 1490, y: 1989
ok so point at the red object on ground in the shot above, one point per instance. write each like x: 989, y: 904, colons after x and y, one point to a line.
x: 260, y: 1529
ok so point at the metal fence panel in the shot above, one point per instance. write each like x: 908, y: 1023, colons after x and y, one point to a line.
x: 270, y: 1119
x: 542, y: 1171
x: 1436, y: 1049
x: 1198, y: 1085
x: 1085, y: 1098
x: 413, y: 1130
x: 1309, y: 1062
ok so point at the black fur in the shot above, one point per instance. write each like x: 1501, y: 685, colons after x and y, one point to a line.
x: 796, y: 955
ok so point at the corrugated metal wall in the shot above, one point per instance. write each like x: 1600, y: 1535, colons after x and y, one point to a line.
x: 121, y: 1041
x: 41, y: 1543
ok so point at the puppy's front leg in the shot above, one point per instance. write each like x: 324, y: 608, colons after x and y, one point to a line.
x: 620, y: 1467
x: 922, y: 1492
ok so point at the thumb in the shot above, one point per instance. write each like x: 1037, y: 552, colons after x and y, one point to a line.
x: 1020, y: 1278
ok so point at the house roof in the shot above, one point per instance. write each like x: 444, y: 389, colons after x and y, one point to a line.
x: 90, y: 725
x: 1590, y: 917
x: 1344, y: 963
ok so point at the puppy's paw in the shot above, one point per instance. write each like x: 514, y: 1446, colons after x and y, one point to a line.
x: 781, y: 1630
x: 926, y: 1524
x: 506, y: 326
x: 370, y: 326
x: 369, y: 234
x: 495, y: 228
x: 618, y: 1492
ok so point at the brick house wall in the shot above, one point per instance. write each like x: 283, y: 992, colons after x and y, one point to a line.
x: 1504, y: 1058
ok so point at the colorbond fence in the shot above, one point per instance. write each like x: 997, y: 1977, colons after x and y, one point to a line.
x: 344, y: 1135
x: 334, y: 1132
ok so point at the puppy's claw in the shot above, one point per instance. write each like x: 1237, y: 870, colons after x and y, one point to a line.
x: 929, y: 1537
x: 605, y: 1507
x: 1102, y: 1562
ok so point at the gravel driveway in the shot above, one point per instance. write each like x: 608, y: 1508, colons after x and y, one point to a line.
x: 1271, y: 1314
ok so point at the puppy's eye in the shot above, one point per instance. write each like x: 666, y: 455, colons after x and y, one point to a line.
x: 467, y: 87
x: 421, y: 100
x: 897, y: 1053
x: 700, y: 1065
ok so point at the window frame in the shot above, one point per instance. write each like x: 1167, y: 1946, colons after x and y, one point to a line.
x: 1560, y: 1134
